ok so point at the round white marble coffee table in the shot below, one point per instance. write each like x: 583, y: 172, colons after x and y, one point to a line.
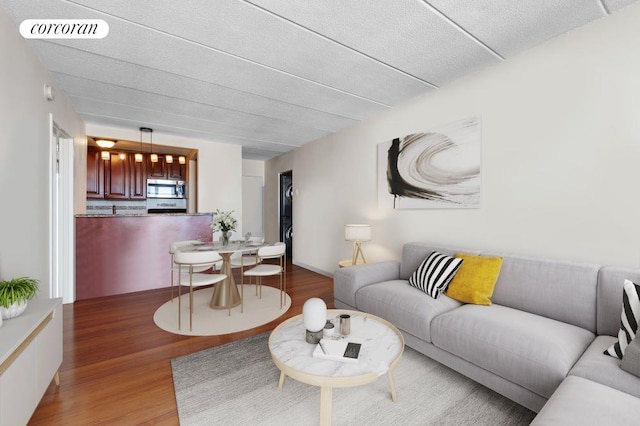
x: 382, y: 347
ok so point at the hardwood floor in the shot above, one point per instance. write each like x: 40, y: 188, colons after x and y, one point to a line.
x: 116, y: 366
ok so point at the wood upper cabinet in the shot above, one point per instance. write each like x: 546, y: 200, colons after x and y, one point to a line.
x: 116, y: 177
x: 156, y: 170
x: 176, y: 170
x: 164, y: 170
x: 119, y: 178
x: 138, y: 183
x: 95, y: 174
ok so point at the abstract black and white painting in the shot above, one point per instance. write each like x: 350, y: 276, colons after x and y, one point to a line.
x: 439, y: 168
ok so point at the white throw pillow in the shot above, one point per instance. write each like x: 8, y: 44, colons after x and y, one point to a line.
x: 630, y: 317
x: 435, y: 273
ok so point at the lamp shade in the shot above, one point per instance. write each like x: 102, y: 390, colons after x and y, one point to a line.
x: 314, y: 314
x: 357, y: 233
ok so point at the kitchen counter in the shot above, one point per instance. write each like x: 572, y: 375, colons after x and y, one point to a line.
x: 125, y: 253
x: 143, y: 214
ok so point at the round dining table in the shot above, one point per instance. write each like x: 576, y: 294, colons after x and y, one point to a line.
x: 225, y: 294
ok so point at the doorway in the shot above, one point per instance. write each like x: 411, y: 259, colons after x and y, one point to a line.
x: 61, y: 251
x: 286, y: 211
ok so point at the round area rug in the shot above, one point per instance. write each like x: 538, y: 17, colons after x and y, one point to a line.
x: 210, y: 322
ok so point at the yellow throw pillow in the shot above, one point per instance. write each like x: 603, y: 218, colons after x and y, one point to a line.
x: 475, y: 280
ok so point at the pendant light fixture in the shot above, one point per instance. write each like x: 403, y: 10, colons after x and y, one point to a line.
x: 105, y: 155
x: 139, y: 156
x: 168, y: 158
x: 182, y: 159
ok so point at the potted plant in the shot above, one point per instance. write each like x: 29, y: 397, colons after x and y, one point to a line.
x: 14, y: 295
x: 225, y: 223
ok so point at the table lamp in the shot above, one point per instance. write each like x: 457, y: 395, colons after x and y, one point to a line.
x: 314, y: 316
x: 357, y: 234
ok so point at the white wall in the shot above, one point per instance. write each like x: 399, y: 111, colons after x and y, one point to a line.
x: 219, y: 169
x: 253, y: 197
x: 560, y: 160
x: 25, y: 157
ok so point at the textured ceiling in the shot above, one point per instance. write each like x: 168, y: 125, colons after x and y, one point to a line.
x: 272, y: 75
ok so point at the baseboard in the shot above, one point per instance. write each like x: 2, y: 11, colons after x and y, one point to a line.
x: 313, y: 269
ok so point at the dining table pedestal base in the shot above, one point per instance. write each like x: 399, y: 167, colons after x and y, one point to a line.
x: 225, y: 294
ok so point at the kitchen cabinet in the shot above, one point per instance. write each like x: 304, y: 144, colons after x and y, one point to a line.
x: 164, y: 170
x: 119, y: 178
x: 158, y: 169
x: 116, y: 177
x: 176, y: 170
x: 138, y: 182
x: 95, y: 174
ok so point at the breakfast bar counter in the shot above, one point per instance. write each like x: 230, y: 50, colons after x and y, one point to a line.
x: 118, y: 254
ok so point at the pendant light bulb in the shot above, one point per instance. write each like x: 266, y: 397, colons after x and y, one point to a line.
x: 168, y: 159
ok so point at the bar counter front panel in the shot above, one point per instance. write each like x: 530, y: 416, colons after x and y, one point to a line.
x: 124, y: 254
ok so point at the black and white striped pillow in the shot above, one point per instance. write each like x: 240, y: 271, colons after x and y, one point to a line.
x: 435, y: 273
x: 630, y: 318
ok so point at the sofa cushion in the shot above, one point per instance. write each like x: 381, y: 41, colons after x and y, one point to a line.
x: 631, y: 361
x: 530, y: 350
x: 582, y: 402
x: 405, y: 306
x: 563, y: 291
x: 629, y: 318
x: 610, y: 283
x: 598, y: 367
x: 435, y: 273
x: 475, y: 280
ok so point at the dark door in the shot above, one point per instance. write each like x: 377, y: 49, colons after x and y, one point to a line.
x: 286, y: 211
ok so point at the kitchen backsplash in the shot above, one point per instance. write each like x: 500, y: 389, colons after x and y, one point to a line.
x: 121, y: 207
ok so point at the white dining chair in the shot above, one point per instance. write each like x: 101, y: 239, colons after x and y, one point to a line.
x: 189, y: 262
x: 177, y: 245
x: 263, y: 269
x: 242, y: 260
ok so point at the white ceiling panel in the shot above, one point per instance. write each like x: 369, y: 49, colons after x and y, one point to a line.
x: 509, y: 27
x: 271, y: 75
x: 300, y: 52
x: 142, y: 115
x: 76, y: 88
x: 612, y: 5
x: 162, y: 127
x: 406, y: 34
x: 63, y: 61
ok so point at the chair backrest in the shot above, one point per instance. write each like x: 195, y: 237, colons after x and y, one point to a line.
x: 271, y: 252
x: 175, y: 246
x: 196, y: 257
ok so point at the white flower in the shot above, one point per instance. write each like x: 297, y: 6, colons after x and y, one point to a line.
x: 223, y: 221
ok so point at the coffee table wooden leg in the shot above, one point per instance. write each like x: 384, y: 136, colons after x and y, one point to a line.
x: 281, y: 381
x: 394, y: 397
x: 326, y: 398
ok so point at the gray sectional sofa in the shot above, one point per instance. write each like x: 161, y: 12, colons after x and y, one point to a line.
x: 542, y: 339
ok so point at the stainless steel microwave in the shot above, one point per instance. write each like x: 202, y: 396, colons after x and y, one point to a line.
x: 162, y: 188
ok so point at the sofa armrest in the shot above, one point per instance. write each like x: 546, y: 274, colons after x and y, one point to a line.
x: 347, y: 281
